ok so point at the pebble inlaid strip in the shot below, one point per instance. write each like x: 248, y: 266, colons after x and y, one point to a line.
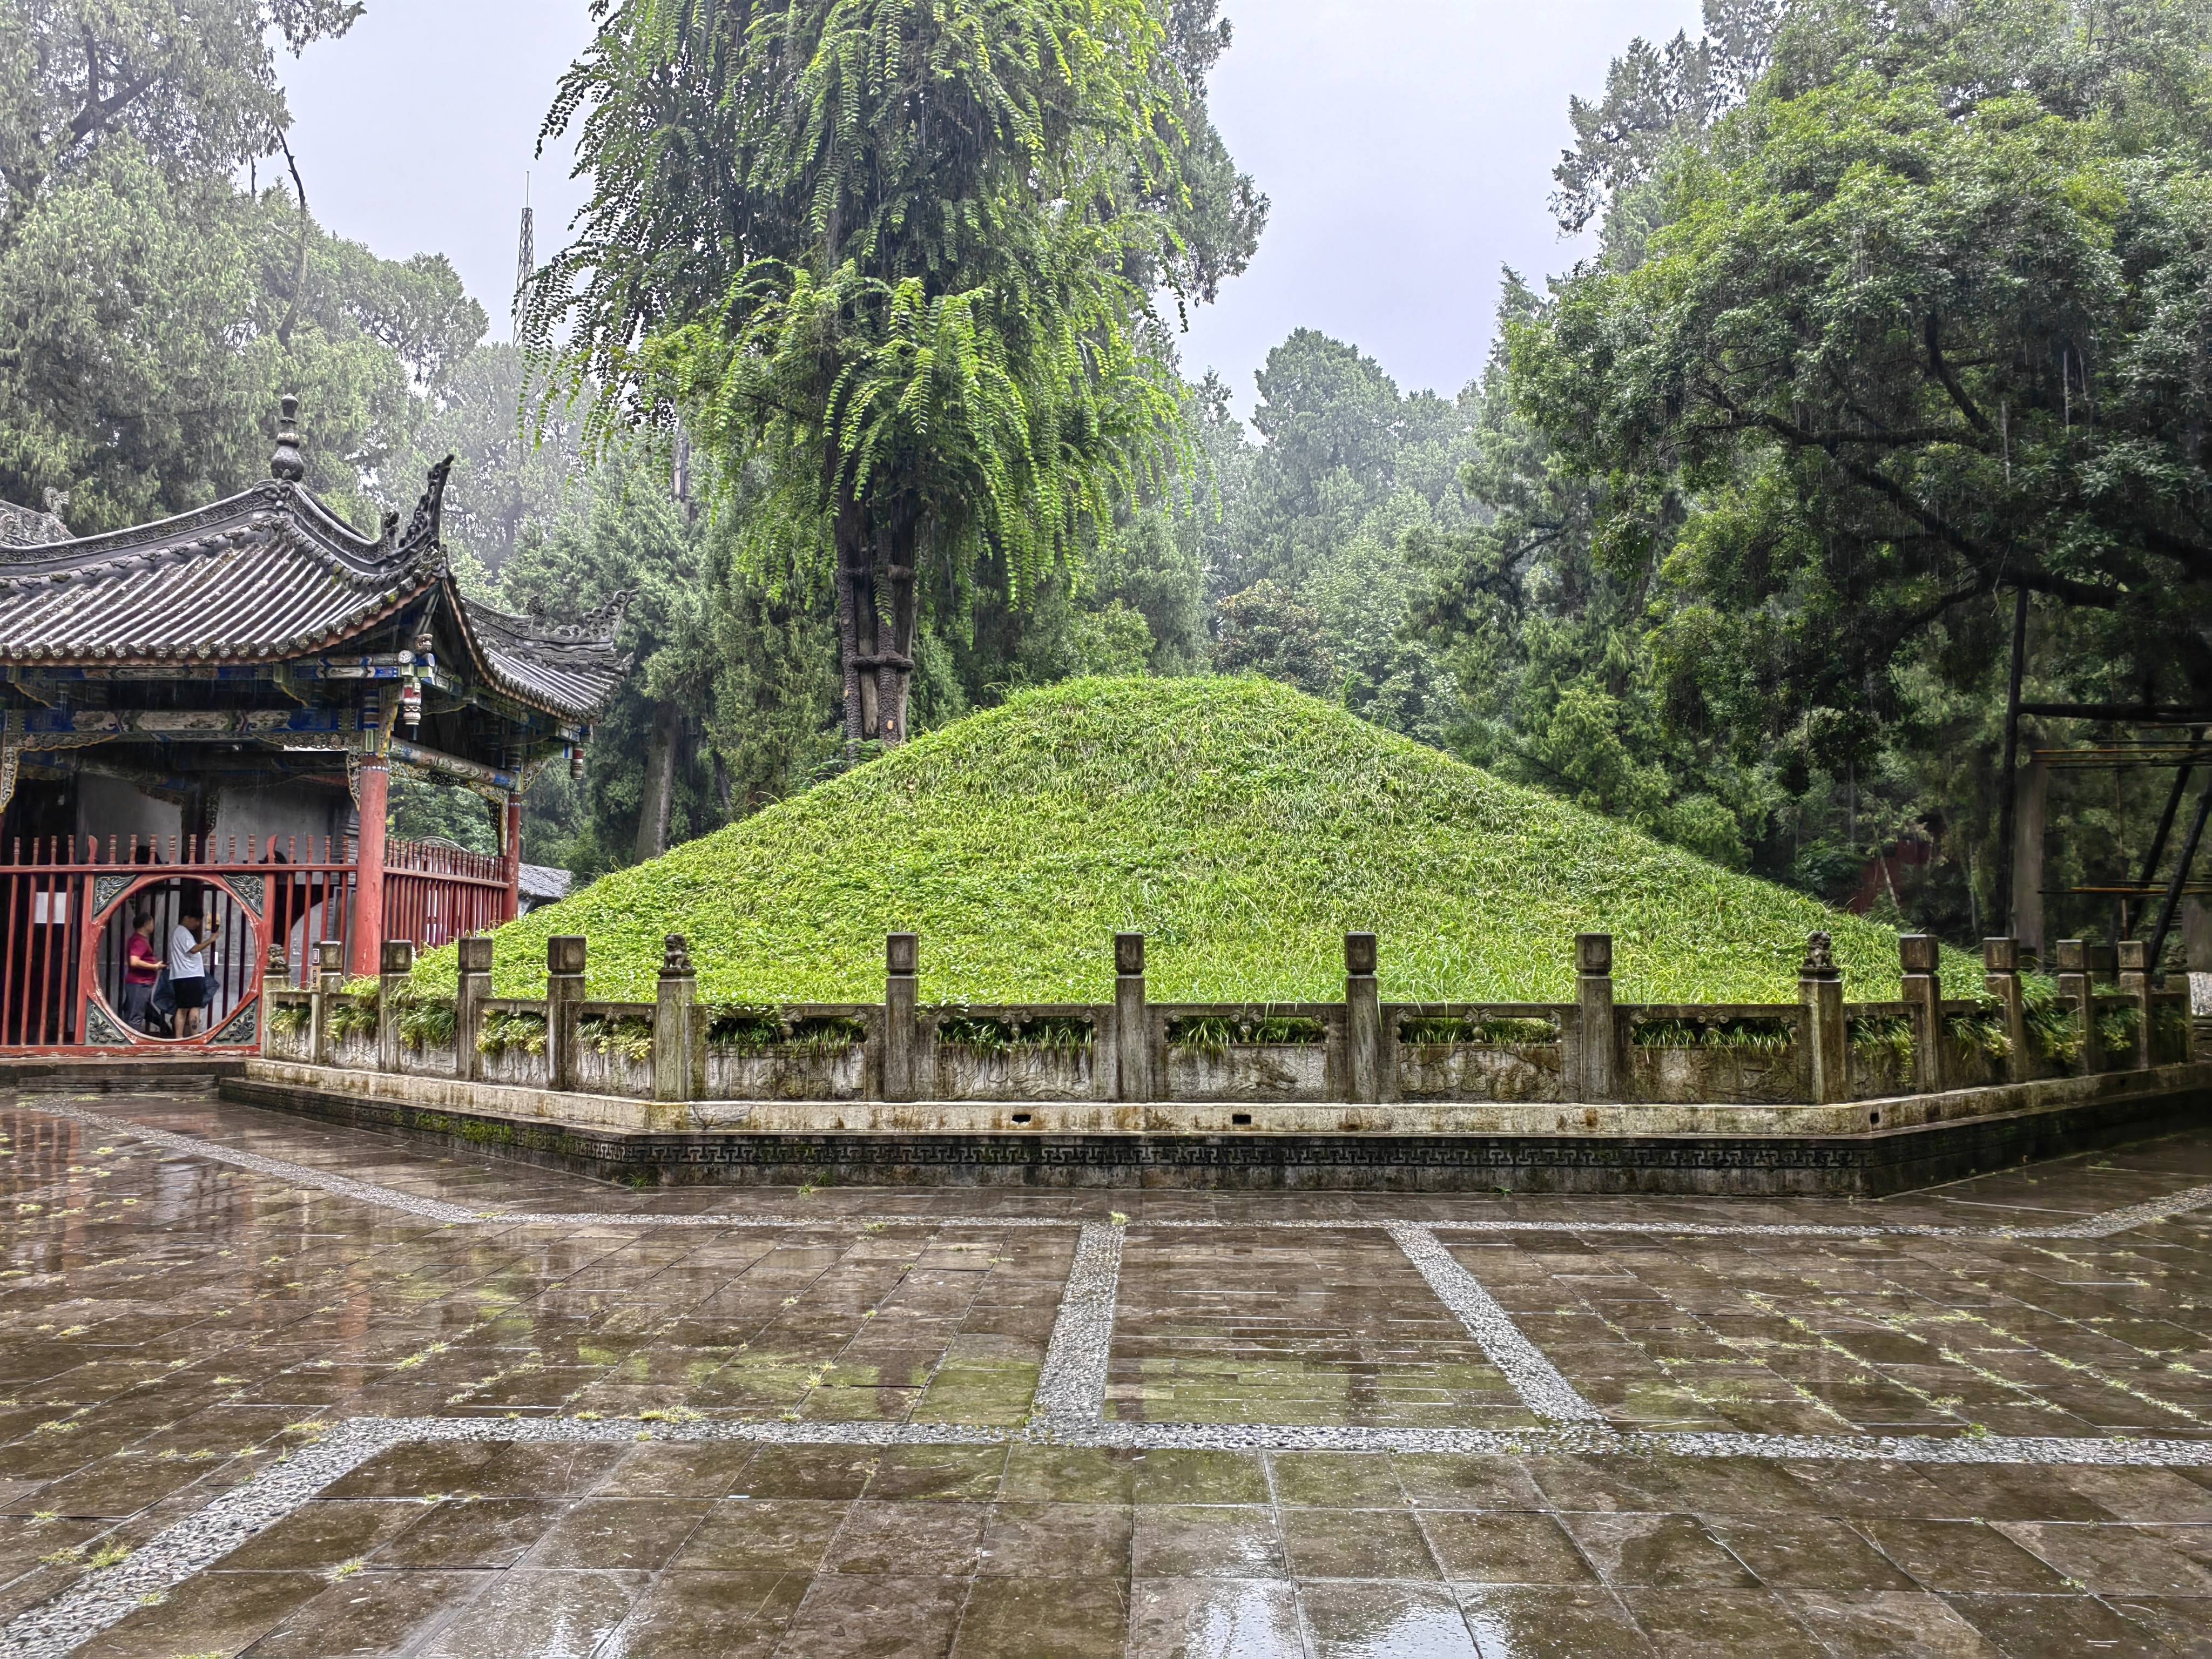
x: 2105, y: 1224
x: 1071, y: 1386
x: 198, y: 1541
x: 1534, y: 1377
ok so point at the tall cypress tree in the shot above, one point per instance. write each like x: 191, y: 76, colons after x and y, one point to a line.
x: 901, y: 258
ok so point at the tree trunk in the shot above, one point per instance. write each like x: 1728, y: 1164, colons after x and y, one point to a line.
x: 894, y: 676
x: 868, y: 636
x: 659, y: 781
x: 848, y: 637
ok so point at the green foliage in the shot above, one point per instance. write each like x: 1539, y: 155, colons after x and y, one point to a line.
x: 351, y: 1017
x: 2171, y: 1036
x: 1316, y: 570
x: 2118, y: 1027
x: 1242, y: 827
x: 1215, y: 1033
x: 511, y: 475
x: 503, y: 1028
x: 426, y: 1022
x: 743, y: 1030
x: 1883, y: 1038
x: 424, y: 808
x: 1979, y: 1035
x: 626, y: 1037
x: 151, y: 308
x: 752, y: 1030
x: 291, y: 1019
x: 2055, y: 1032
x: 1763, y: 1037
x: 1058, y: 1034
x: 902, y: 278
x: 1439, y: 1030
x: 1890, y: 312
x: 1263, y: 630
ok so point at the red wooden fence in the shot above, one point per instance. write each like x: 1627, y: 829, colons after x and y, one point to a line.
x: 434, y: 895
x: 66, y: 904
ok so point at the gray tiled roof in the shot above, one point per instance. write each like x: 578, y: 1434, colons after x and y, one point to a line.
x: 268, y: 575
x: 25, y: 527
x: 543, y: 883
x: 569, y: 665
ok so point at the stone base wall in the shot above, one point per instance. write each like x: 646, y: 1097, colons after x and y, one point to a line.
x: 1583, y: 1148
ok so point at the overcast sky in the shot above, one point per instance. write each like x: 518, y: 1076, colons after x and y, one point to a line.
x: 1406, y: 146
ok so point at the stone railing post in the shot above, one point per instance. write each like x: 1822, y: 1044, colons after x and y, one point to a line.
x: 2136, y: 980
x: 1827, y: 1039
x: 2001, y: 979
x: 330, y: 980
x: 276, y: 976
x: 470, y: 992
x: 1133, y: 1036
x: 564, y: 990
x: 2078, y: 992
x: 679, y: 1043
x: 1923, y: 996
x: 902, y: 1031
x: 395, y: 966
x: 1594, y: 1078
x: 1363, y: 1022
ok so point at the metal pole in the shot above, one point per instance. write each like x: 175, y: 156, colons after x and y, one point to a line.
x: 2165, y: 829
x: 2006, y: 785
x: 2173, y: 900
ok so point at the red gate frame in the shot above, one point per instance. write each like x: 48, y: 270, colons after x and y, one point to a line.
x: 247, y: 1014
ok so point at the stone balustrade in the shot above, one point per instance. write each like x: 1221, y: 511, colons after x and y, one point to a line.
x: 2107, y: 1015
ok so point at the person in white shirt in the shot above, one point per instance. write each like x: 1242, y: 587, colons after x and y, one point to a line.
x: 188, y: 948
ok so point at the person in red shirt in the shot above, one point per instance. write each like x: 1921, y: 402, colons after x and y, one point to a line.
x: 142, y: 966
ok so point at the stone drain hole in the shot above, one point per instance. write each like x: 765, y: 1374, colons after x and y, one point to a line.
x: 1875, y: 1118
x: 1242, y: 1120
x: 1021, y: 1117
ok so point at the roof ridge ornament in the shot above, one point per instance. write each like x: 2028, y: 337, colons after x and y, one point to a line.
x: 596, y: 627
x: 287, y: 462
x: 430, y: 512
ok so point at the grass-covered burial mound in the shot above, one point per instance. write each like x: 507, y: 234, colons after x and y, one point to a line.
x: 1244, y: 827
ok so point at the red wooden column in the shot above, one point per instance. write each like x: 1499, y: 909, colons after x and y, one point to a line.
x: 514, y: 851
x: 366, y: 946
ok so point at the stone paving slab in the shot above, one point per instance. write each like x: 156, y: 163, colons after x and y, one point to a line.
x: 271, y: 1388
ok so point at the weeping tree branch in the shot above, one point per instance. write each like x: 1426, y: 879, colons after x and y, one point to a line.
x: 299, y: 264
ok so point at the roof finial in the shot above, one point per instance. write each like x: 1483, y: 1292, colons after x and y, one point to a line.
x: 287, y: 462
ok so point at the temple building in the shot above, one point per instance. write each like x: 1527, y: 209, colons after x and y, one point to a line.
x: 202, y: 716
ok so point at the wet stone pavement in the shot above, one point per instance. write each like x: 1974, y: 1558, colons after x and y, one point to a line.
x: 273, y: 1388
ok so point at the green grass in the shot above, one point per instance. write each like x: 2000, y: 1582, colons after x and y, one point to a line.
x: 1243, y: 827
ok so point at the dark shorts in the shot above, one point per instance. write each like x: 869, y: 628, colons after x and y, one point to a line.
x: 190, y: 993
